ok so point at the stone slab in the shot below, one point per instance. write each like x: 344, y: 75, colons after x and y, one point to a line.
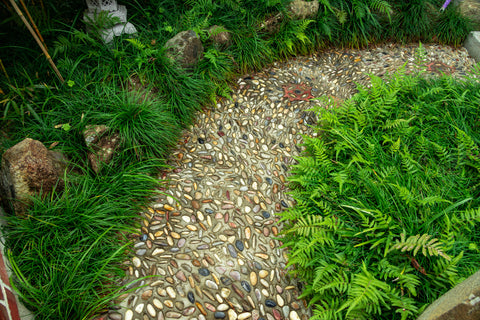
x: 460, y: 303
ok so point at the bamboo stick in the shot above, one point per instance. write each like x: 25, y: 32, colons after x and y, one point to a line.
x: 20, y: 14
x: 33, y: 24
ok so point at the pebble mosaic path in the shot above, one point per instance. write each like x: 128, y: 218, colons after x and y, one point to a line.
x: 216, y: 250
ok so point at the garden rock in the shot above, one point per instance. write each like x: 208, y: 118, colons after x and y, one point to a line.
x: 271, y: 25
x: 303, y: 10
x: 27, y: 169
x: 102, y: 145
x: 470, y: 9
x: 460, y: 303
x: 221, y: 38
x: 186, y: 48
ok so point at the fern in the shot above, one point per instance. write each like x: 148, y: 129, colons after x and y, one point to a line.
x: 400, y: 275
x: 388, y: 163
x: 366, y: 293
x: 429, y: 246
x: 445, y: 273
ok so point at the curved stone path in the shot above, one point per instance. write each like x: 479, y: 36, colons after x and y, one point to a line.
x: 216, y: 248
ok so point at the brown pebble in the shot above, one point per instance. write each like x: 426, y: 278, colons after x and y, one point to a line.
x: 237, y: 291
x: 196, y: 263
x: 195, y: 204
x: 209, y: 260
x: 275, y: 231
x: 181, y: 276
x: 147, y: 294
x: 201, y: 308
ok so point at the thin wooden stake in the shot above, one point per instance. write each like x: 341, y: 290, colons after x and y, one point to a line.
x: 20, y: 14
x: 33, y: 24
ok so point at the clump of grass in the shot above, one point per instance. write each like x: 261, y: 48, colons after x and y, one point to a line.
x: 452, y: 27
x: 387, y: 197
x: 67, y: 250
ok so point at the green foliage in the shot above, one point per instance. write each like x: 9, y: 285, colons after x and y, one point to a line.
x: 387, y: 199
x: 150, y: 116
x: 66, y: 250
x: 452, y: 26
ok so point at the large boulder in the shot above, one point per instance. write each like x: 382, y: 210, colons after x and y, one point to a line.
x: 186, y: 48
x: 28, y: 169
x: 102, y: 144
x: 300, y: 9
x: 460, y: 303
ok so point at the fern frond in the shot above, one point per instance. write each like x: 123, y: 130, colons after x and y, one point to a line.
x: 429, y: 246
x: 327, y: 310
x: 445, y: 272
x: 366, y: 293
x: 399, y: 275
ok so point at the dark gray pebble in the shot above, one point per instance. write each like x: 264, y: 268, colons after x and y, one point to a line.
x: 270, y: 303
x: 265, y: 214
x: 239, y: 245
x: 201, y: 141
x: 284, y: 204
x: 191, y: 297
x: 246, y: 286
x: 269, y: 181
x: 226, y: 280
x: 219, y: 315
x: 203, y: 271
x: 144, y: 237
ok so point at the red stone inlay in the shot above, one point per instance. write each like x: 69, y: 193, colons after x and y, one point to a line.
x: 12, y: 304
x: 439, y: 67
x: 3, y: 271
x: 297, y: 92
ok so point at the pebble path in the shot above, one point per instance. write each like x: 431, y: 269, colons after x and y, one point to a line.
x: 215, y: 248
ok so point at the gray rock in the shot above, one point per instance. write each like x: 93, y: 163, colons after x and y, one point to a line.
x: 102, y: 144
x: 29, y: 169
x: 472, y: 44
x: 303, y: 9
x: 460, y: 303
x: 186, y: 48
x: 220, y: 36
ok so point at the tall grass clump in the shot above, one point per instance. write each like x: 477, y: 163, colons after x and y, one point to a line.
x: 66, y: 250
x: 388, y: 199
x: 452, y: 27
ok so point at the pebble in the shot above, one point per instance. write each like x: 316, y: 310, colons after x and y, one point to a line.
x: 294, y: 315
x: 129, y: 315
x: 246, y: 286
x: 232, y: 251
x: 232, y: 315
x: 270, y: 303
x: 204, y: 272
x: 239, y: 245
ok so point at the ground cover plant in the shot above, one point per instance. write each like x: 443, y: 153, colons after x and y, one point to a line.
x: 68, y: 249
x: 132, y: 86
x: 388, y: 199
